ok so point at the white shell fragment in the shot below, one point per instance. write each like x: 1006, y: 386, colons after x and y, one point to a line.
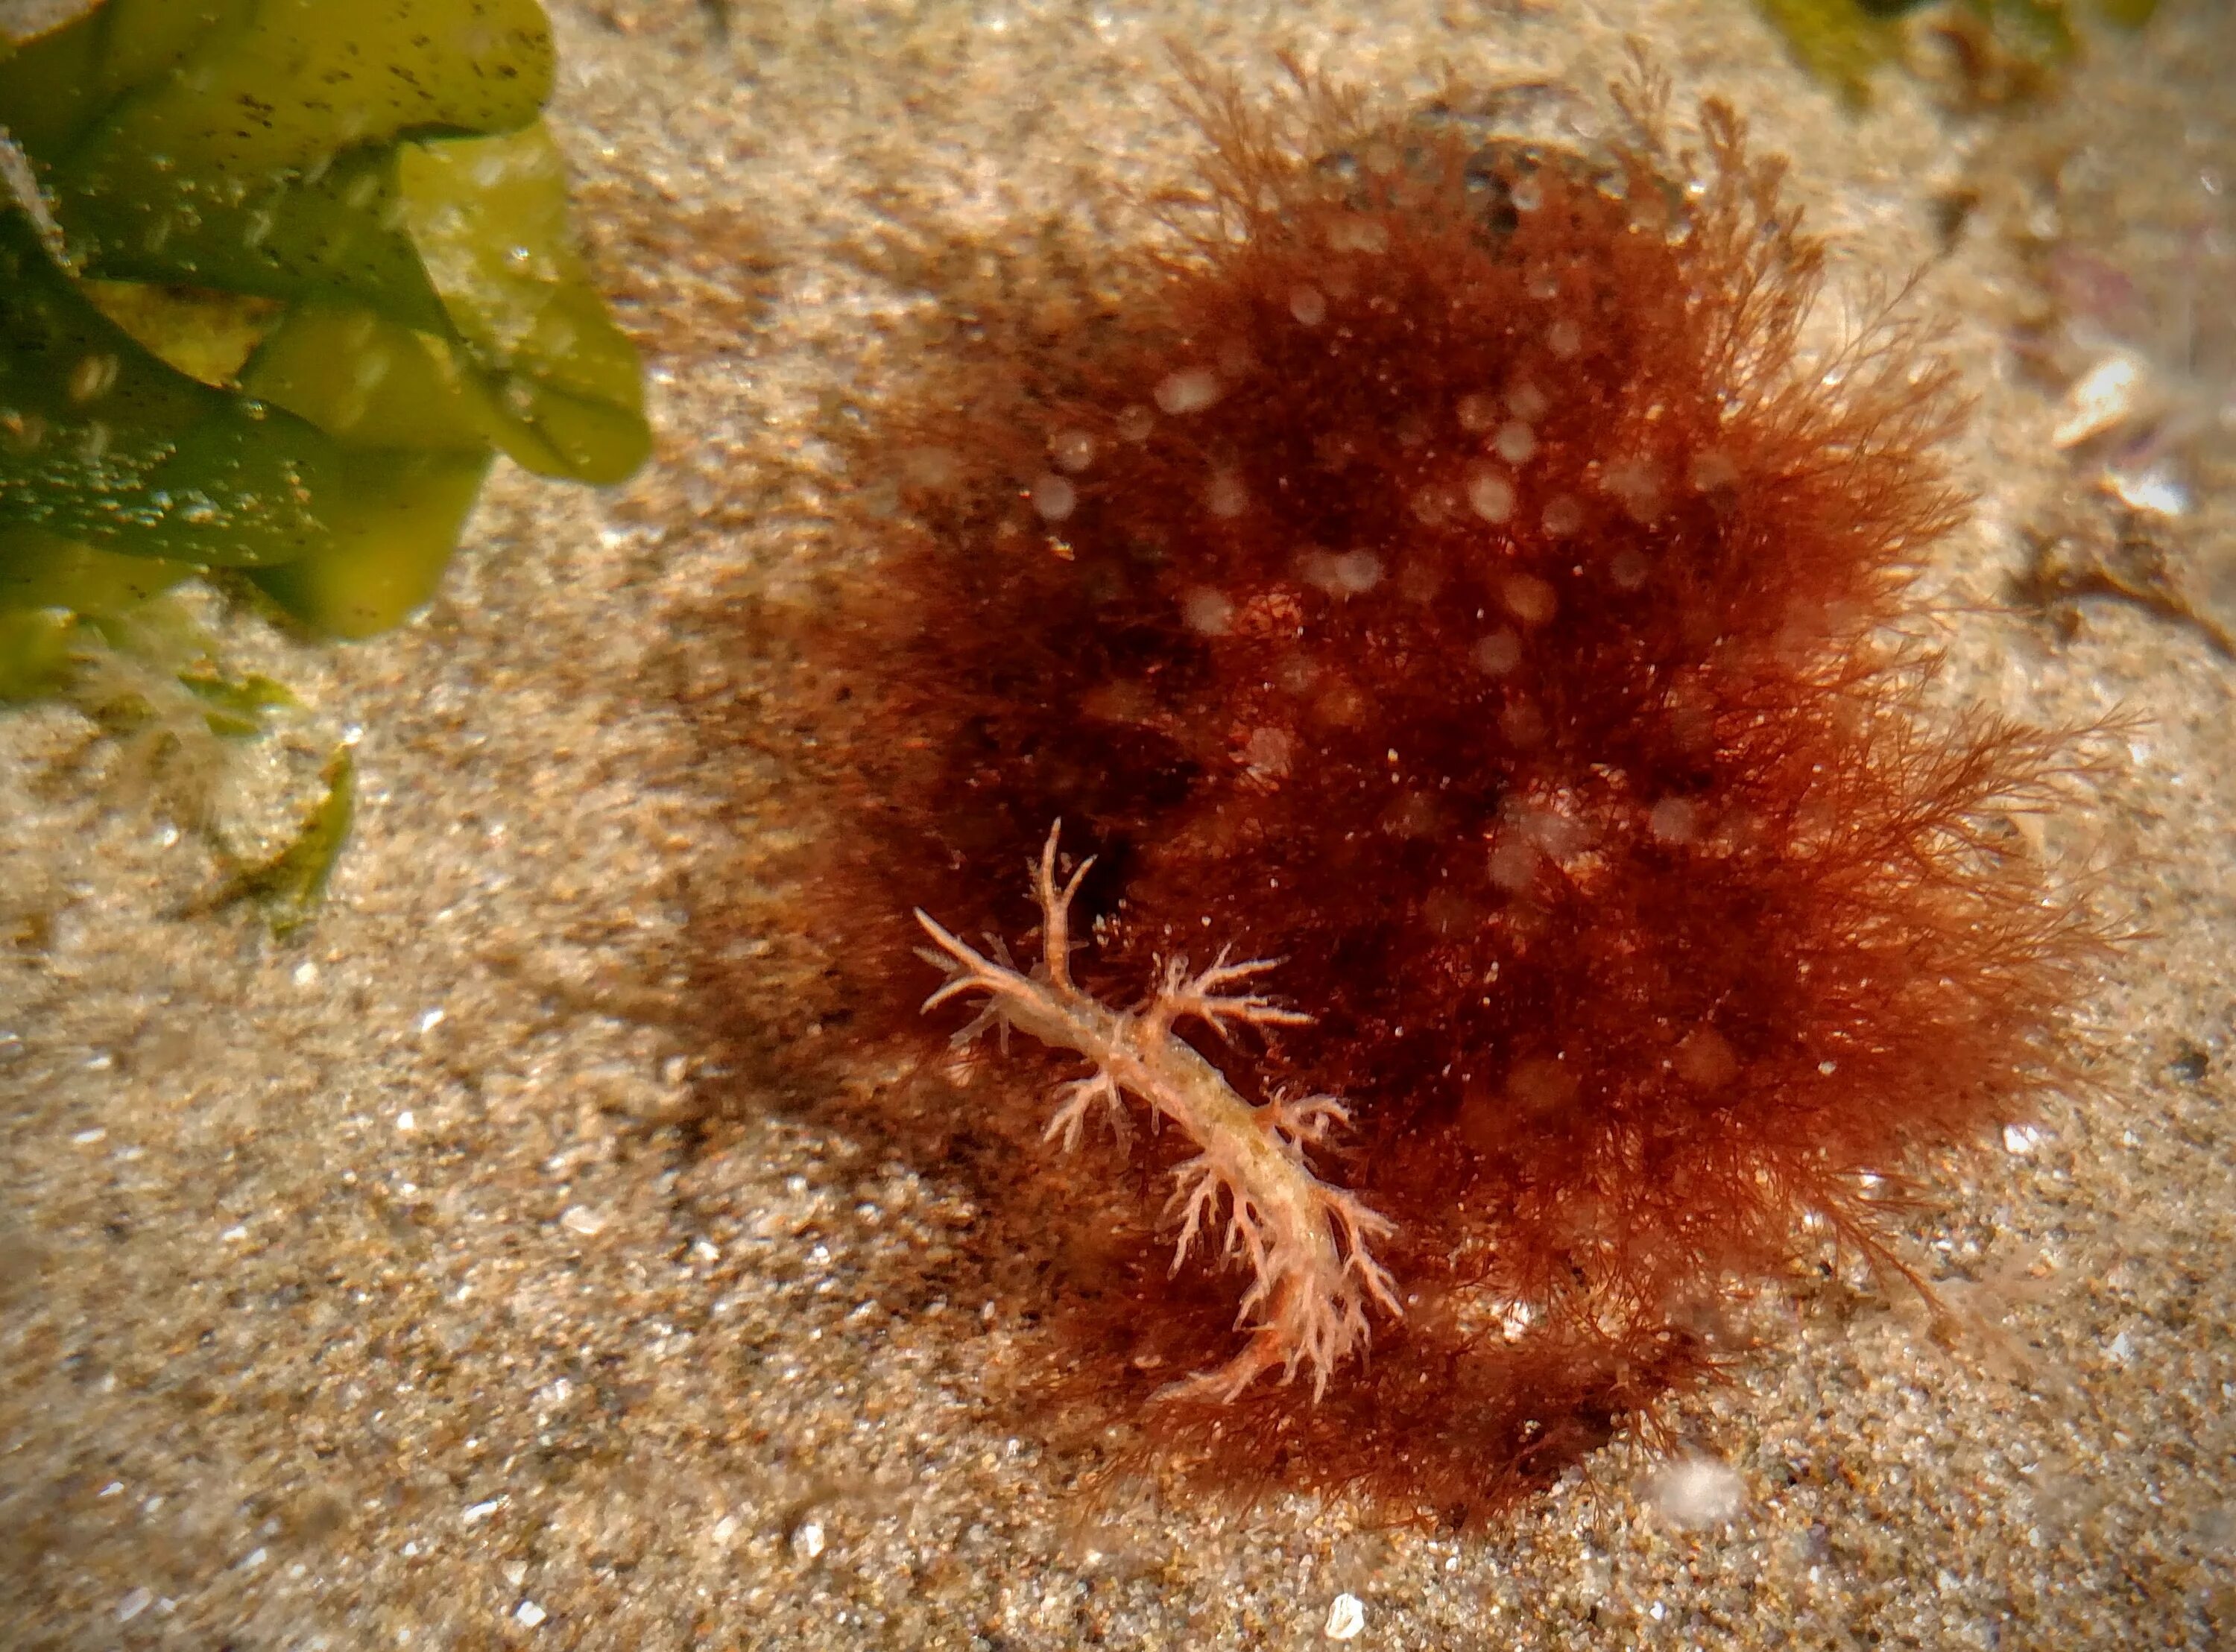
x: 2103, y: 396
x: 1346, y: 1618
x: 2156, y: 491
x: 1697, y: 1492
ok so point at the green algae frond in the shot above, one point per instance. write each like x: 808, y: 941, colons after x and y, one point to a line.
x: 2015, y: 46
x: 294, y: 271
x: 278, y: 280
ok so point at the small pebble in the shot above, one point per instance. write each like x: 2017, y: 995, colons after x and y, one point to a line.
x: 580, y: 1218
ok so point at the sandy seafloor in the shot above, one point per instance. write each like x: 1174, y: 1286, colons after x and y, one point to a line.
x: 372, y: 1290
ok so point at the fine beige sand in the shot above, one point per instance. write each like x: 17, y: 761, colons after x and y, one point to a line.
x: 427, y: 1281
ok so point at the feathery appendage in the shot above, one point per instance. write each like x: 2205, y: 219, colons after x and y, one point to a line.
x: 1304, y: 1241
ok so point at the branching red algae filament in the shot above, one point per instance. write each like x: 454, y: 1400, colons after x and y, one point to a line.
x: 1446, y: 574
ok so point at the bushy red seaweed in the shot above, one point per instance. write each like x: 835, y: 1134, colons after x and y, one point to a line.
x: 1446, y: 574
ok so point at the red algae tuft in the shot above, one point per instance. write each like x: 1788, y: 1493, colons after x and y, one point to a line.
x: 1443, y: 580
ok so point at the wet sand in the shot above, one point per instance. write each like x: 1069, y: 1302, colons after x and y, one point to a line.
x: 422, y: 1281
